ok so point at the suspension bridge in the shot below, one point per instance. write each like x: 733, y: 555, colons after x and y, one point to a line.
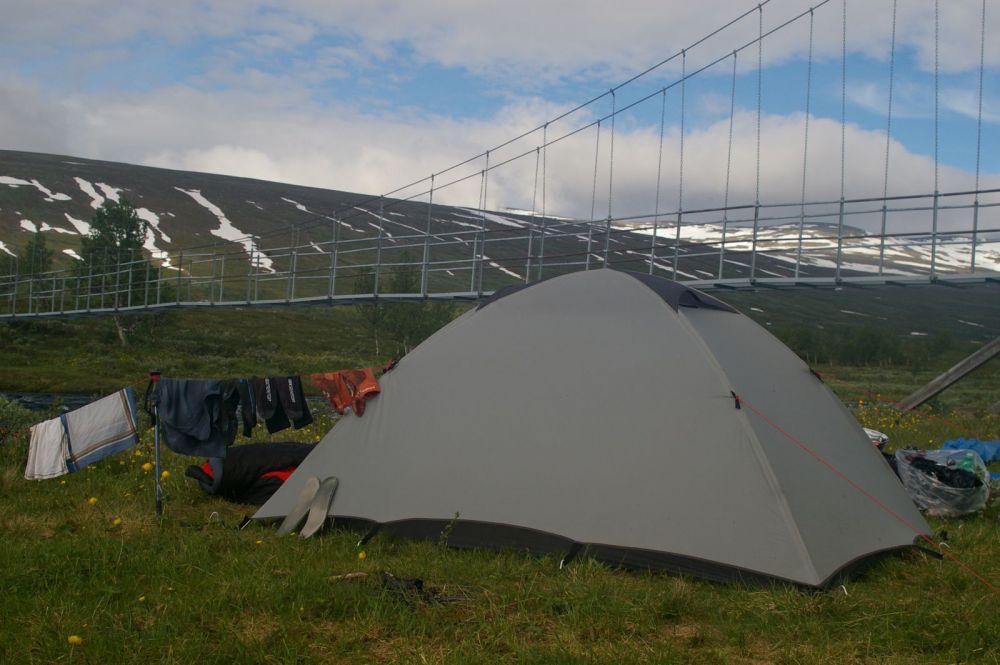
x: 607, y: 183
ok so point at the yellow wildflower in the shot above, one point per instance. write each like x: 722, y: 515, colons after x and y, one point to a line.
x: 75, y: 640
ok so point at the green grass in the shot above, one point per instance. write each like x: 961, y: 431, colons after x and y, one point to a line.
x: 190, y: 587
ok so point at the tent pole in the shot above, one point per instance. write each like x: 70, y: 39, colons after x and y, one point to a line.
x: 154, y: 377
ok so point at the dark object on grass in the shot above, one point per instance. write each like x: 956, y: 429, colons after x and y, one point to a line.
x: 251, y: 473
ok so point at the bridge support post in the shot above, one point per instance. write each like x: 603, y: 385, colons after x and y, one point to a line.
x: 934, y: 233
x: 975, y: 232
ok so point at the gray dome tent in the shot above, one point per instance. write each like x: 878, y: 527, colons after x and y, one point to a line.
x: 596, y: 410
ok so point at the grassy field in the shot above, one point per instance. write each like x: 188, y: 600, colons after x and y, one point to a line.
x: 191, y: 587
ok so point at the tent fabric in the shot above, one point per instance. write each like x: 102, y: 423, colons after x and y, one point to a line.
x: 594, y: 410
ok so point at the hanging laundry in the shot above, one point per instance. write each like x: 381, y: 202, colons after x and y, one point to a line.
x: 281, y: 402
x: 348, y: 388
x: 247, y: 407
x: 83, y: 436
x: 198, y: 417
x: 47, y: 451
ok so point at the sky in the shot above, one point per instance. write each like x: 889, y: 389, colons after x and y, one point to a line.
x: 369, y: 95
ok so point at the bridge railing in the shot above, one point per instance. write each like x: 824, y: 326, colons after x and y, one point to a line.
x: 927, y: 237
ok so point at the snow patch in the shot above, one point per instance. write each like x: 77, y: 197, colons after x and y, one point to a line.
x: 110, y: 193
x: 149, y: 242
x: 255, y: 204
x: 96, y: 200
x: 970, y: 323
x: 296, y: 204
x: 918, y: 334
x: 756, y: 309
x: 3, y: 248
x: 49, y: 195
x: 491, y: 217
x: 227, y: 231
x: 70, y: 252
x: 29, y: 226
x: 82, y: 227
x: 46, y: 227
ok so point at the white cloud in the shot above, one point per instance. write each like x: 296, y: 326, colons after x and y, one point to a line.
x: 521, y: 39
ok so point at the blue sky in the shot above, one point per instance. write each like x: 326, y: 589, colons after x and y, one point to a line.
x: 365, y: 96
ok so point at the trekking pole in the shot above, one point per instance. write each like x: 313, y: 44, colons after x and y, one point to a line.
x: 154, y: 377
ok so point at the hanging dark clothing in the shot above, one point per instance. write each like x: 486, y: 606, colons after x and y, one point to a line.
x: 281, y: 402
x: 248, y: 408
x: 251, y: 473
x: 197, y: 417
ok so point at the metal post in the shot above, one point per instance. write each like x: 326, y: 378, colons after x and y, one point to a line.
x: 250, y: 272
x: 155, y: 378
x: 840, y: 238
x: 472, y: 278
x: 145, y: 284
x: 975, y: 231
x: 159, y: 278
x: 590, y: 238
x: 427, y: 242
x: 222, y: 277
x: 291, y: 276
x: 180, y: 269
x: 131, y: 267
x: 331, y: 289
x: 378, y: 242
x: 211, y: 283
x: 881, y: 246
x: 677, y: 244
x: 753, y: 245
x: 90, y: 279
x: 934, y: 231
x: 62, y: 296
x: 31, y: 289
x: 118, y: 275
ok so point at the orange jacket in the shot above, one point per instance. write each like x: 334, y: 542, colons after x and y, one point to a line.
x: 347, y: 388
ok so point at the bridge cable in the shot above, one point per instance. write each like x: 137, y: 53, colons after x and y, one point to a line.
x: 482, y: 242
x: 531, y: 227
x: 934, y: 218
x: 760, y: 81
x: 888, y: 138
x: 805, y: 146
x: 843, y: 135
x: 611, y: 178
x: 680, y: 168
x: 593, y: 195
x: 979, y: 136
x: 729, y: 167
x: 545, y: 168
x: 659, y: 172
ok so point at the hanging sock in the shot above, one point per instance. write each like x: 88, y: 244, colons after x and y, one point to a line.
x: 281, y: 402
